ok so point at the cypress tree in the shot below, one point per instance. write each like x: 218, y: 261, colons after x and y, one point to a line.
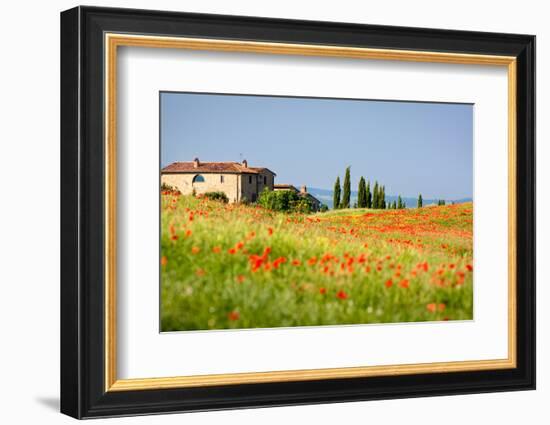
x: 399, y: 202
x: 336, y: 194
x: 362, y: 193
x: 419, y: 202
x: 394, y: 206
x: 375, y: 196
x: 347, y: 190
x: 383, y: 198
x: 368, y: 196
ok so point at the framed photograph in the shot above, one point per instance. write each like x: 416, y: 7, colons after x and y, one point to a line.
x: 261, y: 212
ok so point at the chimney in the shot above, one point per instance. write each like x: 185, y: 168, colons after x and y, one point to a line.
x: 196, y: 163
x: 245, y: 163
x: 303, y: 189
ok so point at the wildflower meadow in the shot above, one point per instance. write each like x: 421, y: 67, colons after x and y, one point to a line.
x: 227, y: 266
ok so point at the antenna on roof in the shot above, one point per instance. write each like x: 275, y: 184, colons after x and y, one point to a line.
x: 240, y: 157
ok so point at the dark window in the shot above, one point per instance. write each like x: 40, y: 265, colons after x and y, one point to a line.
x: 250, y: 179
x: 265, y: 179
x: 221, y: 179
x: 198, y: 179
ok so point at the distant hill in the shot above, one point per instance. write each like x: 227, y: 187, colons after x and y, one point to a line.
x: 325, y: 196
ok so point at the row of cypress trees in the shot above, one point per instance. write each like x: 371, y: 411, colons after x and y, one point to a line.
x: 339, y: 200
x: 365, y: 198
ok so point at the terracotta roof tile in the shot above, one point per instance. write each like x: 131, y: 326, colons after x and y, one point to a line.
x: 212, y: 167
x: 285, y: 187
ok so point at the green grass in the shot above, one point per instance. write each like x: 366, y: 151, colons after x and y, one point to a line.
x: 212, y: 277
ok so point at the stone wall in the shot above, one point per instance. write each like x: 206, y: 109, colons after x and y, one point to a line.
x: 212, y: 183
x: 236, y: 186
x: 253, y: 184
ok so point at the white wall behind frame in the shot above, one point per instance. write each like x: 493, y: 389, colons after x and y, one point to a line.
x: 30, y: 272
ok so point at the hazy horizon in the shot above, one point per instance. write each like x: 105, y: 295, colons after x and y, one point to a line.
x: 410, y: 147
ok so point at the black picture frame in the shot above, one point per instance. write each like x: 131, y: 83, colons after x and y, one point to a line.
x: 83, y: 392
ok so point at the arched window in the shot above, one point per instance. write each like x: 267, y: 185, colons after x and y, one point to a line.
x: 198, y: 179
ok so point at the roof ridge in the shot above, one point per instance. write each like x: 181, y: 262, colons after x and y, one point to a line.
x: 207, y: 162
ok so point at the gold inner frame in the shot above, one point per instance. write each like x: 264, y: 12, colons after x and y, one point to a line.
x: 113, y: 41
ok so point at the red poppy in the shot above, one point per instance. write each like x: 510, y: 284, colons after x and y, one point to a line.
x: 404, y: 283
x: 342, y: 295
x: 241, y: 278
x: 322, y: 291
x: 278, y: 261
x: 232, y: 251
x: 256, y: 262
x: 296, y: 262
x: 216, y: 250
x: 163, y: 261
x: 269, y: 231
x: 233, y: 315
x: 433, y: 307
x: 469, y: 267
x: 195, y: 250
x: 389, y: 283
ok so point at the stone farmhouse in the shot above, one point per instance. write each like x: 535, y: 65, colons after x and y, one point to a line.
x: 237, y: 180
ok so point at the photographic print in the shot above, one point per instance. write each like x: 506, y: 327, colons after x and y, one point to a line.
x: 295, y: 211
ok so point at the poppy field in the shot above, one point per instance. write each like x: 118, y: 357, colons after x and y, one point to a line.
x: 229, y: 266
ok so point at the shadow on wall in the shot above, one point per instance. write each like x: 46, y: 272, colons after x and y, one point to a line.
x: 49, y: 402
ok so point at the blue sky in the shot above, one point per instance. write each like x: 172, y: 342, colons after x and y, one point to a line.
x: 410, y: 147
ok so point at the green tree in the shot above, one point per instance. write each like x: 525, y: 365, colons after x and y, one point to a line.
x: 284, y: 201
x: 419, y: 202
x: 383, y: 198
x: 362, y: 193
x: 347, y: 189
x: 441, y: 202
x: 394, y: 205
x: 375, y: 196
x: 399, y: 203
x: 369, y: 196
x: 336, y: 194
